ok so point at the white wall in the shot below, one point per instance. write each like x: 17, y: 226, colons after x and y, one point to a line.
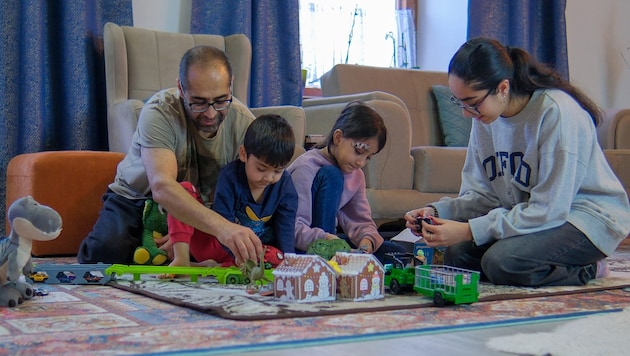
x: 442, y: 27
x: 598, y: 41
x: 162, y: 15
x: 598, y: 37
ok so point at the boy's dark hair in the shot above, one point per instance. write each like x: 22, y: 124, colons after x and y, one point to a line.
x: 270, y: 138
x: 359, y: 121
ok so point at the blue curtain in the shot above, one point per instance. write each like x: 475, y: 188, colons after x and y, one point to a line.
x: 538, y: 26
x: 273, y: 29
x: 53, y: 76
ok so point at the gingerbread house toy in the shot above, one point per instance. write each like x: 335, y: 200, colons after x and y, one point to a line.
x: 361, y: 277
x: 304, y: 278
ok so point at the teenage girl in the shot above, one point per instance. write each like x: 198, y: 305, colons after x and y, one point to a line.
x: 538, y: 205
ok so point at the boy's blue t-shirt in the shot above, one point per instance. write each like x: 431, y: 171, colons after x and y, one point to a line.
x: 273, y: 220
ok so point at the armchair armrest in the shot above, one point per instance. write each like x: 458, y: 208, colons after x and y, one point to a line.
x: 122, y: 119
x: 619, y: 161
x: 614, y: 130
x: 438, y: 169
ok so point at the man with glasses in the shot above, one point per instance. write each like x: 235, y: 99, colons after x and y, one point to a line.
x: 185, y: 133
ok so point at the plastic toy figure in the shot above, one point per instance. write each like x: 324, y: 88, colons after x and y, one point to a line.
x: 255, y: 273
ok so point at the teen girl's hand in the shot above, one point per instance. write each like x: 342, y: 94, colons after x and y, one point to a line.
x: 445, y: 232
x: 411, y: 219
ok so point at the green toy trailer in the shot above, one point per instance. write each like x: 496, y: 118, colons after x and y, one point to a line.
x: 447, y: 284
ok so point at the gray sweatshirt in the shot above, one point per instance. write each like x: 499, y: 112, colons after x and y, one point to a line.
x: 537, y: 170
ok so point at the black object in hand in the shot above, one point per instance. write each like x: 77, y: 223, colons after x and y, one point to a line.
x: 427, y: 220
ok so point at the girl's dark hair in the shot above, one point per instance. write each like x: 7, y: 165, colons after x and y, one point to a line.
x: 483, y: 63
x: 202, y: 54
x: 270, y: 138
x: 359, y: 121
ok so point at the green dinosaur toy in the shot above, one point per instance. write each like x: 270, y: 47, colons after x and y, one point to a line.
x: 327, y: 248
x: 30, y: 221
x: 154, y: 228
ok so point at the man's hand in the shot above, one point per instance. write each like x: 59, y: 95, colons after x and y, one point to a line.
x: 242, y: 241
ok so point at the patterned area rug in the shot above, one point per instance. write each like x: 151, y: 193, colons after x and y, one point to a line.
x: 233, y: 302
x: 101, y: 320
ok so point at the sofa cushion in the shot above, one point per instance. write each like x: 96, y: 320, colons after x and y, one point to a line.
x: 455, y: 127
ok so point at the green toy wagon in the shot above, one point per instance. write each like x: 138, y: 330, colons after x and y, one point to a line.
x: 447, y: 284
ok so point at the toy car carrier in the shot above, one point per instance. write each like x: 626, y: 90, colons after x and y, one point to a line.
x: 447, y: 284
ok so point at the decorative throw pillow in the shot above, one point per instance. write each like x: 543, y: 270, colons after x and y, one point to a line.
x: 455, y: 127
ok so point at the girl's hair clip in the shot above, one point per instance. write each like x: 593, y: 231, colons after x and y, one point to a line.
x: 361, y: 145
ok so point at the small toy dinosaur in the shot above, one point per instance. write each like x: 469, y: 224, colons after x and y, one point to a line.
x: 154, y: 227
x: 30, y: 221
x: 255, y: 273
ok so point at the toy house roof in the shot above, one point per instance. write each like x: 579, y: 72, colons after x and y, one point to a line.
x: 297, y: 265
x: 354, y: 263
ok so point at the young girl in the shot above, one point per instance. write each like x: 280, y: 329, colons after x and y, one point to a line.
x: 331, y: 185
x: 538, y: 205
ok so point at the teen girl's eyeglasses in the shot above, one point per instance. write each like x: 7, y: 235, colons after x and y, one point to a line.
x: 473, y: 109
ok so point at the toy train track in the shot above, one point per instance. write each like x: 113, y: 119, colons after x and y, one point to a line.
x: 101, y: 273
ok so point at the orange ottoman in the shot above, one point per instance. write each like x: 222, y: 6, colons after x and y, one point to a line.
x: 71, y: 182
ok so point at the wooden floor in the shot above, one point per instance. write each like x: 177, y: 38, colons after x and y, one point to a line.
x: 472, y: 342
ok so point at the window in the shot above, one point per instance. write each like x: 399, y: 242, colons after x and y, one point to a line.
x: 371, y: 33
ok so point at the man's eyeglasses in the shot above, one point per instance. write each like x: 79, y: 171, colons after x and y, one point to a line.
x: 473, y: 109
x: 218, y: 105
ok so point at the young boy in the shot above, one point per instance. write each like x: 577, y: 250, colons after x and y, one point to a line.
x: 254, y: 191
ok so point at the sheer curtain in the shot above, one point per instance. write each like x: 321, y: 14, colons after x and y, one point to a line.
x: 539, y: 26
x: 53, y: 76
x: 371, y: 33
x: 272, y: 27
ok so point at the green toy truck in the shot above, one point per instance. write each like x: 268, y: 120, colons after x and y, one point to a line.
x: 400, y: 274
x: 447, y: 284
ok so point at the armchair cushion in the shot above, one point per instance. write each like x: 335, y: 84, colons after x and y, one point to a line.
x: 455, y: 127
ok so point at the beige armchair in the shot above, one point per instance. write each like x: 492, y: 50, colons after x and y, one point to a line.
x: 140, y: 62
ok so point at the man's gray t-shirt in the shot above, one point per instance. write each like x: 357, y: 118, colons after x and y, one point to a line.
x: 163, y: 124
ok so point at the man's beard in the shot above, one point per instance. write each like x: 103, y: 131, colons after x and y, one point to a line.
x: 209, y: 129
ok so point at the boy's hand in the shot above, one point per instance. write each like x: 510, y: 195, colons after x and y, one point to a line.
x: 164, y: 243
